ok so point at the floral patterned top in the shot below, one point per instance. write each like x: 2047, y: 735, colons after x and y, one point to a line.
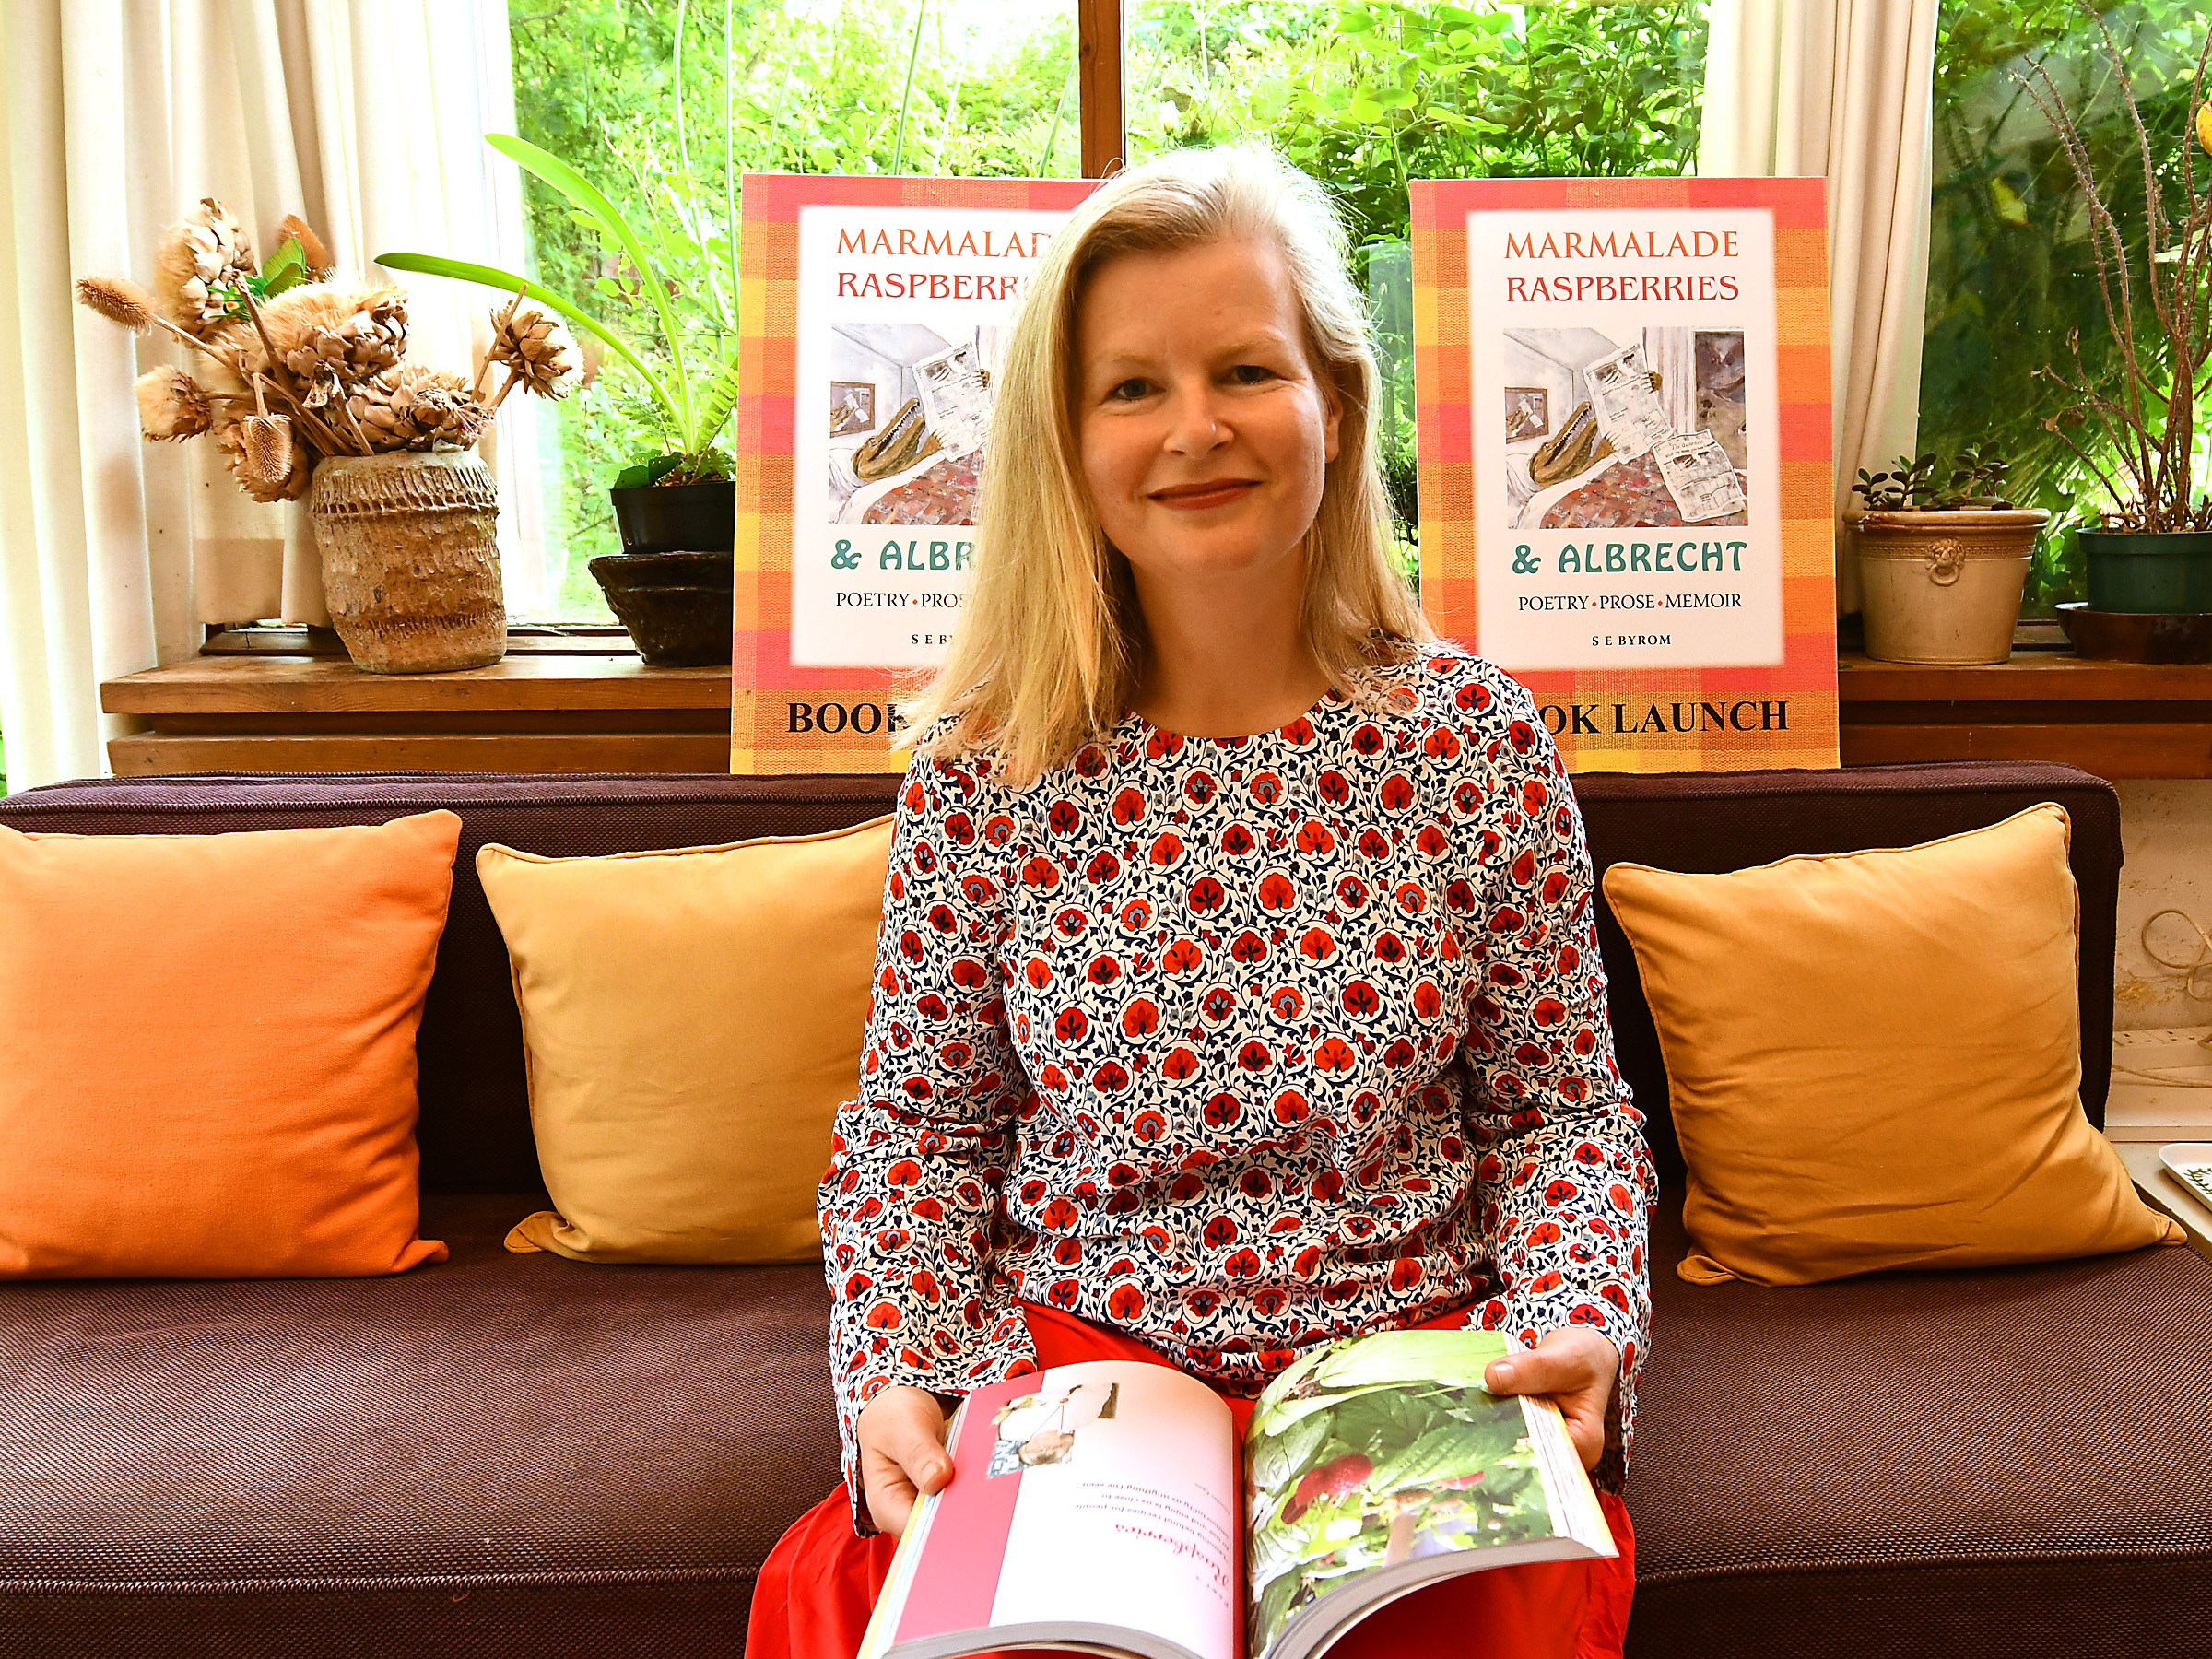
x: 1238, y: 1045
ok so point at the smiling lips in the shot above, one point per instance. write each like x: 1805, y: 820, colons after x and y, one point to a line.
x: 1198, y: 498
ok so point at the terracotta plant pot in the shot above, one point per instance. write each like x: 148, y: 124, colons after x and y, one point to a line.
x: 1944, y: 587
x: 676, y: 607
x: 410, y: 565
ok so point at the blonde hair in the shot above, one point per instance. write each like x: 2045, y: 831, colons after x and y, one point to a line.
x: 1045, y: 656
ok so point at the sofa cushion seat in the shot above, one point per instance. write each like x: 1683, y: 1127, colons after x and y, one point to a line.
x: 1866, y: 1467
x: 601, y: 1456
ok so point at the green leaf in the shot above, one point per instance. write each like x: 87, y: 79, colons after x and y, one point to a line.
x: 438, y: 264
x: 722, y: 397
x: 589, y: 196
x: 286, y: 258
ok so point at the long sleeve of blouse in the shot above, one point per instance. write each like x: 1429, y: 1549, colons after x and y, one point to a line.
x: 909, y: 1207
x: 1239, y: 1045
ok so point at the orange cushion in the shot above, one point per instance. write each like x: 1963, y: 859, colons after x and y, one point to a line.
x: 209, y: 1047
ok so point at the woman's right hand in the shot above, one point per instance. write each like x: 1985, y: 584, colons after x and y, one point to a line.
x: 902, y: 1455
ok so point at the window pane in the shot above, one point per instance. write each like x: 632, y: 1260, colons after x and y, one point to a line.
x: 959, y: 87
x: 2011, y: 277
x: 1366, y: 95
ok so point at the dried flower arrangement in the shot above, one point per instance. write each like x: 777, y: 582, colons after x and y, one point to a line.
x: 299, y: 365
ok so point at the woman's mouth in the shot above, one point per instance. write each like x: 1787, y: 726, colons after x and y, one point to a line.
x: 1199, y: 498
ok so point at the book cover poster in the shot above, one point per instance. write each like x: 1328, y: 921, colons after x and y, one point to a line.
x: 1626, y: 468
x: 873, y: 315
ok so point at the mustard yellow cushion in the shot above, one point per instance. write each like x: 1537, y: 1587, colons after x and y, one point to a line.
x: 1875, y: 1059
x: 691, y: 1020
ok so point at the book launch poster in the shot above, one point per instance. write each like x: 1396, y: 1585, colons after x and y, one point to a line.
x: 1625, y: 471
x: 873, y: 315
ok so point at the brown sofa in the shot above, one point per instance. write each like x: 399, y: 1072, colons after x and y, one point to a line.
x: 519, y: 1454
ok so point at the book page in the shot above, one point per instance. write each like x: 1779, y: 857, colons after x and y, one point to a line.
x: 1087, y: 1499
x: 1378, y: 1464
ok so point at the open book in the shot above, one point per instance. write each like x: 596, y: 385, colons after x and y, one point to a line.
x: 1096, y: 1507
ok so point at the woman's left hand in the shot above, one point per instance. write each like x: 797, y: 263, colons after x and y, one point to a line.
x: 1578, y: 1369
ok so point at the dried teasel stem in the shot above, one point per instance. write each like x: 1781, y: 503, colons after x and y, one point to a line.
x: 118, y: 300
x: 172, y: 405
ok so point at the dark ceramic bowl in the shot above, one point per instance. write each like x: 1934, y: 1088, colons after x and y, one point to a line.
x: 2137, y: 636
x: 675, y: 627
x: 613, y: 571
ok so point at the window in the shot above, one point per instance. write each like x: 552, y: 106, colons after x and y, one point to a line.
x: 1363, y: 96
x: 959, y: 87
x: 1366, y: 97
x: 2011, y: 281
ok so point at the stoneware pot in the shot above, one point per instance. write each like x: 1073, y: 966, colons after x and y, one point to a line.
x: 410, y: 565
x: 2162, y: 575
x: 1944, y: 587
x: 669, y: 518
x: 676, y: 607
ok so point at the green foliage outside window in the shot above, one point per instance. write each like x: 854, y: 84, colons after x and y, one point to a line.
x: 1368, y: 96
x: 2011, y: 278
x: 1363, y: 96
x: 816, y: 85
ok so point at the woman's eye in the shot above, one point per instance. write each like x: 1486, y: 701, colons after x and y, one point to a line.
x: 1251, y: 374
x: 1129, y: 390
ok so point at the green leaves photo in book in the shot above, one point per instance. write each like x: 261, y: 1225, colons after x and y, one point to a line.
x: 1373, y: 1452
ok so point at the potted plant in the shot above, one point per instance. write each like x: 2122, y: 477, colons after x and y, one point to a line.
x: 2151, y: 551
x: 1942, y: 559
x: 309, y: 391
x: 676, y: 512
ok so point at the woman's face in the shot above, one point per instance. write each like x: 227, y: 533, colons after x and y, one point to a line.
x: 1205, y: 430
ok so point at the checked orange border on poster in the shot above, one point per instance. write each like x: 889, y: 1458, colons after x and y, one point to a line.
x: 787, y: 717
x: 1649, y: 717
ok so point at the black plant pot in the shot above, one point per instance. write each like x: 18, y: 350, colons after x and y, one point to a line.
x: 669, y: 518
x: 676, y: 607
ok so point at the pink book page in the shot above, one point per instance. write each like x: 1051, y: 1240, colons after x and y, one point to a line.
x: 1102, y: 1494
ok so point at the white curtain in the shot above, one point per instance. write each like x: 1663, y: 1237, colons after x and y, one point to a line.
x: 1841, y: 90
x: 366, y: 117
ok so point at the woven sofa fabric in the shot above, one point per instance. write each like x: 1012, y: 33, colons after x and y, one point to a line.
x: 475, y: 1130
x: 616, y: 1447
x: 524, y: 1453
x: 2013, y: 1460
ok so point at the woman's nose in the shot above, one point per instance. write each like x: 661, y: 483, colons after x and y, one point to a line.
x: 1197, y: 422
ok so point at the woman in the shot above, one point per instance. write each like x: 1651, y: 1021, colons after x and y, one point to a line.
x: 1238, y: 986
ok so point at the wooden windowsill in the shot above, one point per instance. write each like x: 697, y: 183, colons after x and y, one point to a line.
x: 567, y: 712
x: 2118, y: 720
x: 609, y: 712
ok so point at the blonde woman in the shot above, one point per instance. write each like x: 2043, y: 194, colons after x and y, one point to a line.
x: 1238, y: 986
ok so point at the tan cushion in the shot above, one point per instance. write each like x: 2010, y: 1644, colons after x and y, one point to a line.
x: 691, y: 1020
x: 1875, y: 1059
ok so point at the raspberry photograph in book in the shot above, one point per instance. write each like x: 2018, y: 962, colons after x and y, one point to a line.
x: 1370, y: 1454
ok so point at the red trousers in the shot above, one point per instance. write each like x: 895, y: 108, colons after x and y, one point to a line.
x: 820, y: 1584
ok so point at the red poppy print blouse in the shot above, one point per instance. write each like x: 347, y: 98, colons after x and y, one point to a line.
x: 1239, y: 1045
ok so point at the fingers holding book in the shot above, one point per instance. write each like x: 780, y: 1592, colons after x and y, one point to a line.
x: 902, y: 1453
x: 1575, y: 1366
